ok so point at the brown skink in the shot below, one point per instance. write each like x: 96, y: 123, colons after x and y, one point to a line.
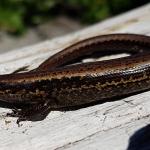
x: 57, y: 83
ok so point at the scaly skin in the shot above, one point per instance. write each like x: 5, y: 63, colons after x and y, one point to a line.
x: 55, y: 85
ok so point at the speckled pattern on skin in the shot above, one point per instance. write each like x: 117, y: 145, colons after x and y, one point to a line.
x: 62, y: 86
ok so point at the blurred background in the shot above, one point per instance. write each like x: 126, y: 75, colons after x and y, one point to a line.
x: 26, y: 22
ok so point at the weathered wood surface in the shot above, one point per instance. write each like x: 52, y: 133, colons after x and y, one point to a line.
x: 104, y: 126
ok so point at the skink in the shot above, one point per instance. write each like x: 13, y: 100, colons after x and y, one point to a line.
x: 57, y: 84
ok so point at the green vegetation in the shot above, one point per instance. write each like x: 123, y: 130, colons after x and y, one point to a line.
x: 17, y: 15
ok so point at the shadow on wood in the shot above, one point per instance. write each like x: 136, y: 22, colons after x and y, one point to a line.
x: 140, y: 140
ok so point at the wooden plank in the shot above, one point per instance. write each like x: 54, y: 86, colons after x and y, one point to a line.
x: 104, y: 126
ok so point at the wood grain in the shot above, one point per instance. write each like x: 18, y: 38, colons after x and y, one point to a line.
x: 104, y: 126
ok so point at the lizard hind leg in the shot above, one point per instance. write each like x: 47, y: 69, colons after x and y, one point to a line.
x: 34, y: 112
